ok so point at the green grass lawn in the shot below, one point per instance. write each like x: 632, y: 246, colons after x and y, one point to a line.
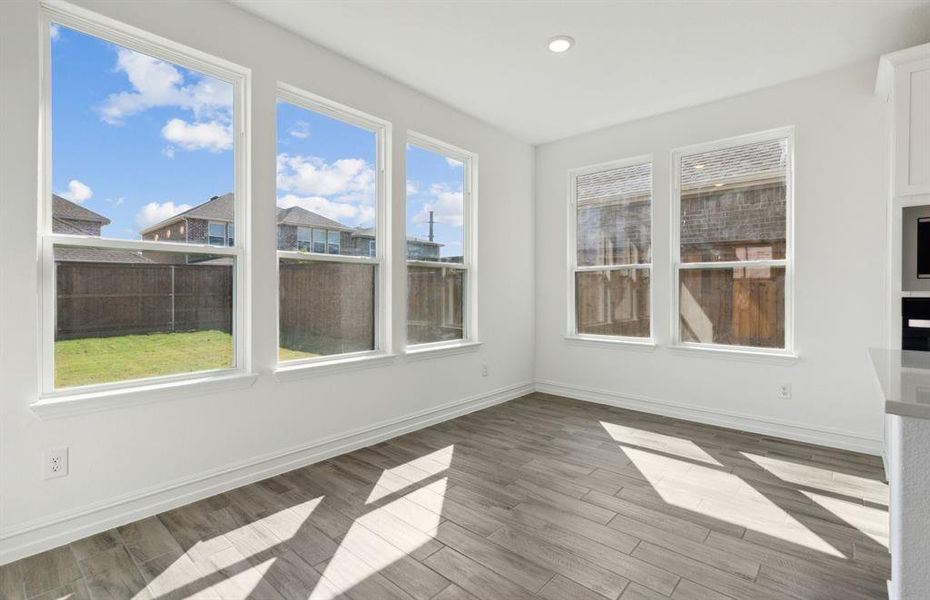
x: 104, y: 360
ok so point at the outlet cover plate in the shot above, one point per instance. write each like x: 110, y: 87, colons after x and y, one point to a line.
x: 56, y: 462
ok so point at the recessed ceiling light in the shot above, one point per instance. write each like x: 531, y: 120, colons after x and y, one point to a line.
x: 560, y: 43
x: 698, y: 166
x: 718, y: 185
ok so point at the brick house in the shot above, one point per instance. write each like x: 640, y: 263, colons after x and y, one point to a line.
x: 73, y: 219
x: 299, y: 230
x: 363, y: 244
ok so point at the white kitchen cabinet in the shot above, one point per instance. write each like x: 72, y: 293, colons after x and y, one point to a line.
x: 904, y: 78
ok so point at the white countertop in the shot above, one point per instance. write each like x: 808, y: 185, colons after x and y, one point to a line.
x: 904, y: 376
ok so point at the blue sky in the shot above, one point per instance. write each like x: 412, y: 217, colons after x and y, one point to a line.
x: 137, y: 139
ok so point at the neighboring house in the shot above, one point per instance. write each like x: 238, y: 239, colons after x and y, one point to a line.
x: 363, y: 243
x: 305, y: 231
x: 73, y: 219
x: 299, y: 230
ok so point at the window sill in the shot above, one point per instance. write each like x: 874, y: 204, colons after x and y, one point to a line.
x: 66, y: 405
x: 638, y: 345
x: 314, y: 368
x: 729, y: 353
x: 427, y: 351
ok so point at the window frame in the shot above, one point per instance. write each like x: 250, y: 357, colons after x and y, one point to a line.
x: 139, y: 40
x: 571, y: 331
x: 381, y: 261
x: 781, y: 133
x: 469, y: 264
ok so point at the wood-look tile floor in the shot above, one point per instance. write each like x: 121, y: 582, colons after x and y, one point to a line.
x: 542, y: 497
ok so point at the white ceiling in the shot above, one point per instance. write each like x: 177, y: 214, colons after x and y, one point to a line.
x: 632, y: 59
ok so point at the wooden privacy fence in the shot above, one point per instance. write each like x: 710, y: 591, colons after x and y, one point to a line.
x: 435, y: 304
x: 326, y: 307
x: 112, y: 299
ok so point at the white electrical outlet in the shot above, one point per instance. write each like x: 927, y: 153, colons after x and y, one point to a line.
x: 784, y: 391
x: 56, y: 462
x: 484, y: 370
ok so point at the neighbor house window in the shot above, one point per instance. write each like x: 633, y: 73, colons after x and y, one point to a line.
x: 333, y: 246
x: 734, y: 256
x: 303, y: 239
x: 440, y: 242
x: 126, y: 299
x: 216, y: 234
x: 319, y: 241
x: 330, y: 183
x: 611, y: 256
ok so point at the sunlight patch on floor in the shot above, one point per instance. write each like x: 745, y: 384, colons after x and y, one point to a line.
x: 411, y: 472
x: 237, y: 585
x: 722, y: 496
x: 872, y: 522
x: 382, y: 537
x: 657, y: 441
x: 824, y: 479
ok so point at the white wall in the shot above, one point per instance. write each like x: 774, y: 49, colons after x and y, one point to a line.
x: 131, y: 461
x: 842, y: 165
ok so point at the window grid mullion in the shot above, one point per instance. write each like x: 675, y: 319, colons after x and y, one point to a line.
x: 734, y: 264
x: 596, y: 268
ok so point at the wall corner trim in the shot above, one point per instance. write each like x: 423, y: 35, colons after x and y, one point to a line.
x: 799, y: 432
x: 66, y: 527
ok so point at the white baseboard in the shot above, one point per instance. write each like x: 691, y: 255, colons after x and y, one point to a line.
x: 833, y: 438
x: 63, y: 528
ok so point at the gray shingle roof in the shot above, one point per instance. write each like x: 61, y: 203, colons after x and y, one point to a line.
x: 614, y: 184
x: 65, y: 209
x: 222, y: 208
x: 759, y: 160
x: 60, y: 225
x: 302, y: 217
x: 98, y: 255
x: 217, y: 208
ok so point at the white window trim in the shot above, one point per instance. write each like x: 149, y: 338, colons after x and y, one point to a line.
x: 470, y: 339
x: 381, y: 354
x: 787, y: 354
x: 127, y: 36
x: 571, y: 326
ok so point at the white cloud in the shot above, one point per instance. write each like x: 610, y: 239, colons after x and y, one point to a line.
x: 315, y: 177
x: 116, y: 201
x: 155, y: 212
x: 447, y: 205
x: 54, y: 31
x: 343, y: 190
x: 346, y: 213
x: 156, y: 83
x: 412, y: 188
x: 453, y: 163
x: 212, y: 136
x: 300, y: 130
x: 77, y: 191
x: 168, y: 151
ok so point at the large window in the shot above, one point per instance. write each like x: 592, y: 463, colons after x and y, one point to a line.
x: 733, y: 235
x: 330, y: 198
x: 440, y: 242
x: 143, y: 161
x: 611, y: 253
